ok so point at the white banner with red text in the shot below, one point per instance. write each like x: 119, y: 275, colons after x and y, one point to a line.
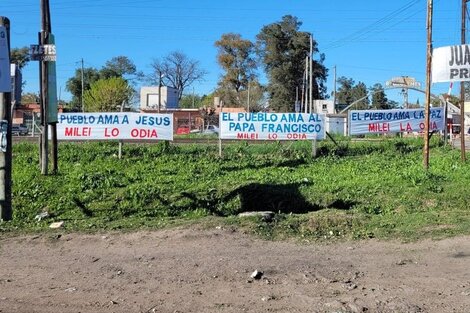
x: 271, y: 126
x: 363, y: 122
x: 114, y: 126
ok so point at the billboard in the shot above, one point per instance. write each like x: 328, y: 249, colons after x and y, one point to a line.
x: 451, y: 63
x: 271, y: 126
x: 114, y: 126
x: 393, y: 121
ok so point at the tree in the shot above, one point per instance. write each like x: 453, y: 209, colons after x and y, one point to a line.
x: 190, y: 101
x: 120, y: 66
x: 107, y: 95
x: 359, y: 92
x: 20, y: 56
x: 74, y: 85
x: 344, y: 93
x: 235, y: 57
x: 379, y: 98
x: 29, y: 97
x: 349, y: 92
x: 283, y: 48
x: 176, y: 70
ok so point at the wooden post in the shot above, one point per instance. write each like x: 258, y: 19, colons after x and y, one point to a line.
x: 44, y: 111
x: 462, y: 87
x: 6, y: 155
x: 428, y: 86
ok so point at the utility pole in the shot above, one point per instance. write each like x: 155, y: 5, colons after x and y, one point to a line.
x: 306, y: 84
x: 311, y: 75
x: 462, y: 87
x: 81, y: 98
x: 159, y: 91
x: 334, y: 87
x: 48, y: 91
x: 5, y: 118
x: 43, y: 73
x: 248, y: 98
x: 193, y: 101
x: 428, y: 86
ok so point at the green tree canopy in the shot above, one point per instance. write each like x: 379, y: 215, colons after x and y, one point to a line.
x: 120, y: 66
x: 107, y: 95
x: 236, y: 58
x: 19, y: 56
x: 349, y: 92
x: 379, y: 98
x: 283, y: 49
x: 74, y: 85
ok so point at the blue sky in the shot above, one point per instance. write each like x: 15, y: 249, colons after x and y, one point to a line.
x: 369, y: 41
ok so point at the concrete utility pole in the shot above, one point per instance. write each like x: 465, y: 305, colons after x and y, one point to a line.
x: 462, y: 87
x: 83, y: 84
x: 6, y: 151
x: 248, y: 98
x: 306, y: 85
x: 311, y: 75
x: 334, y: 87
x: 428, y: 86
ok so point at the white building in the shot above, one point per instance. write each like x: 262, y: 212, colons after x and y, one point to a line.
x: 150, y: 97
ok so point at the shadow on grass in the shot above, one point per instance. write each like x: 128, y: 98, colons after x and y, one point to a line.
x: 285, y: 198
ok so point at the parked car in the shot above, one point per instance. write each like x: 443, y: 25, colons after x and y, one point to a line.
x: 211, y: 129
x: 19, y: 130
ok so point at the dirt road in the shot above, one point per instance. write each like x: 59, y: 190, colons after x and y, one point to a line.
x: 191, y: 270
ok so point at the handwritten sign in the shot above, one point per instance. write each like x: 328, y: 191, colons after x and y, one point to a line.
x: 114, y: 126
x: 393, y: 121
x: 271, y: 126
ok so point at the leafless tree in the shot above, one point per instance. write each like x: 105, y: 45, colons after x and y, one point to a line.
x: 176, y: 70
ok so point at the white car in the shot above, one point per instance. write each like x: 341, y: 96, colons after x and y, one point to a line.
x: 211, y: 129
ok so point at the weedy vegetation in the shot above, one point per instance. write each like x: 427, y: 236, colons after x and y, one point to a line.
x: 354, y: 190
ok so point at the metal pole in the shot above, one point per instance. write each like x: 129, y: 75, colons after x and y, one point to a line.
x: 6, y: 156
x: 462, y: 87
x: 428, y: 85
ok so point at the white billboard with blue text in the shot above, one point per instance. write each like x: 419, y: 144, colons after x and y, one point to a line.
x: 271, y: 126
x: 363, y: 122
x: 114, y: 126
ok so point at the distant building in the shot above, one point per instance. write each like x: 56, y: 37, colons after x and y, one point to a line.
x: 150, y: 97
x: 16, y: 83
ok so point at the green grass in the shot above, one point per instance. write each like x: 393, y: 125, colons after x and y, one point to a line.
x: 357, y: 190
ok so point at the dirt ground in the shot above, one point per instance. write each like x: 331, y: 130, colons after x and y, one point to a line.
x: 192, y: 270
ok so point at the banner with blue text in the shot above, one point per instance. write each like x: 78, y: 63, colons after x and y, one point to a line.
x: 393, y: 121
x: 271, y: 126
x: 114, y: 126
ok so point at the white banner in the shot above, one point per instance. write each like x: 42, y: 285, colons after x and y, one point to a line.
x: 5, y: 78
x: 393, y: 121
x: 272, y: 126
x: 114, y: 126
x: 451, y: 64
